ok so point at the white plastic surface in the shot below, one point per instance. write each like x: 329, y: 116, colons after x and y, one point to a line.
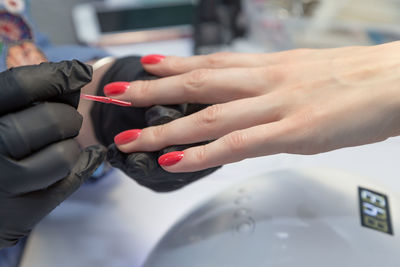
x: 116, y: 222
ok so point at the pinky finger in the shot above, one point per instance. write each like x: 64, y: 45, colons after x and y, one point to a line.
x: 256, y: 141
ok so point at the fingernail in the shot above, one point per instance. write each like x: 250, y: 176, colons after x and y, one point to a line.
x: 170, y: 158
x: 116, y: 88
x: 152, y: 59
x: 127, y: 136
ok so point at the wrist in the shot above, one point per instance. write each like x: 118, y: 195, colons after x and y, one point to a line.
x: 86, y: 135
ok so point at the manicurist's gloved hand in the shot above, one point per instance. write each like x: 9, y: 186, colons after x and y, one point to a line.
x: 40, y: 162
x: 144, y: 166
x: 114, y: 123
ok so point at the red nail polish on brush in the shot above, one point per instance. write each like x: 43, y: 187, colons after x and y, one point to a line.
x: 106, y: 100
x: 170, y: 158
x: 152, y: 59
x: 127, y: 136
x: 116, y: 88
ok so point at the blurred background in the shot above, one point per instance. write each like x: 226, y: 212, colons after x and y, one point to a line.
x: 257, y: 25
x: 59, y: 12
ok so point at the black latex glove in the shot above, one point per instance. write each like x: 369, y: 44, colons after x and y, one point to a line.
x: 40, y: 163
x: 144, y: 167
x: 110, y: 120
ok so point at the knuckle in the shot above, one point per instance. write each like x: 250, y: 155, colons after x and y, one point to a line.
x: 142, y: 91
x: 200, y: 154
x: 210, y: 115
x: 273, y: 74
x: 278, y: 74
x: 254, y: 74
x: 303, y: 134
x: 306, y: 118
x: 158, y: 132
x: 175, y: 64
x: 194, y: 80
x: 217, y: 59
x: 237, y: 142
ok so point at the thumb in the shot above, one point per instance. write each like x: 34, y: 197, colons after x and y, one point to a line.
x: 31, y: 207
x: 25, y: 85
x: 89, y: 160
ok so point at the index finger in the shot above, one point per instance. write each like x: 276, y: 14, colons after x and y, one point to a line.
x: 205, y: 86
x: 171, y: 65
x: 22, y: 86
x: 62, y: 155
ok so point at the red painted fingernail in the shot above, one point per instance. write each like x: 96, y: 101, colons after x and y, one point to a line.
x: 127, y: 136
x: 152, y: 59
x: 116, y: 88
x: 170, y: 158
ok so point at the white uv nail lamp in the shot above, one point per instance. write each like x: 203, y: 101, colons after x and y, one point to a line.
x: 340, y: 208
x: 288, y: 218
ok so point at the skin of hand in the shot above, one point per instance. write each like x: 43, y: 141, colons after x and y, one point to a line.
x: 86, y: 136
x: 300, y: 101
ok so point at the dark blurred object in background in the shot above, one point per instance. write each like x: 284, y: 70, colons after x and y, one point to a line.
x: 217, y: 23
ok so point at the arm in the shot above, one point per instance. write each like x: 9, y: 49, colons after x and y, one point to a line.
x: 87, y: 135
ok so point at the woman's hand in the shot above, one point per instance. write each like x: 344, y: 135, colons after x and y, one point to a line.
x: 110, y: 120
x: 301, y: 101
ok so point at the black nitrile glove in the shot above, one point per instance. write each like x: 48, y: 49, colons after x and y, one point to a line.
x: 144, y: 167
x: 40, y: 162
x: 109, y: 120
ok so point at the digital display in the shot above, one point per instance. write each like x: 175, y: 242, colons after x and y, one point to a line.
x: 374, y: 210
x: 141, y: 18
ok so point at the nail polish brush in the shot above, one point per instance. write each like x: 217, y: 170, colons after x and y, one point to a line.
x: 106, y: 100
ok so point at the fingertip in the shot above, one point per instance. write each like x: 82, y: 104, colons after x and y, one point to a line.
x: 163, y: 66
x: 152, y: 59
x: 126, y: 137
x: 173, y: 169
x: 85, y: 70
x: 116, y: 88
x: 171, y: 158
x: 179, y: 162
x: 94, y: 156
x: 123, y: 148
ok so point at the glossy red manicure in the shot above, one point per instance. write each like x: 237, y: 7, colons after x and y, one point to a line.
x: 127, y: 136
x: 116, y: 88
x: 152, y: 59
x: 170, y: 158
